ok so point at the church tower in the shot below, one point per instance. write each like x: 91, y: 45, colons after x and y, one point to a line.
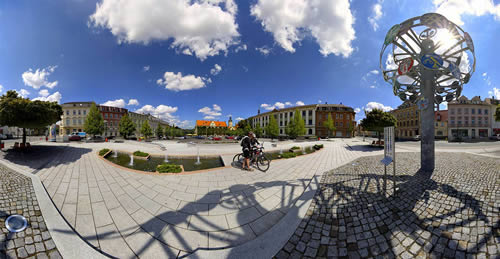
x: 230, y: 123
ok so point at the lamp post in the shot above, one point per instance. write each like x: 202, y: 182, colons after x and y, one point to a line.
x: 427, y: 69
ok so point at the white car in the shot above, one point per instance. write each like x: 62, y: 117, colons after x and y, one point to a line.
x: 495, y: 137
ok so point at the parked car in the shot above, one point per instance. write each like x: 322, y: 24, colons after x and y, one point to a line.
x: 200, y: 137
x: 217, y: 138
x: 181, y: 137
x: 2, y: 136
x: 495, y: 137
x: 9, y: 136
x: 82, y: 135
x: 229, y: 137
x: 75, y: 137
x: 416, y: 137
x: 95, y: 139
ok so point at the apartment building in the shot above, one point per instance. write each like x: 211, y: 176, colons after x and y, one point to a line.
x: 73, y: 118
x: 469, y: 119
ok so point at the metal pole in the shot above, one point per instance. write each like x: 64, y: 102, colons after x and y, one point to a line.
x: 427, y: 122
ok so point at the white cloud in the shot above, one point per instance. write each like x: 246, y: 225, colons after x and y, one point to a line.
x: 495, y: 93
x: 486, y: 78
x: 329, y: 22
x: 485, y: 74
x: 205, y: 27
x: 372, y: 87
x: 216, y: 70
x: 146, y: 68
x: 215, y: 111
x: 288, y: 104
x: 177, y: 82
x: 239, y: 118
x: 161, y: 111
x: 375, y: 105
x: 209, y: 117
x: 39, y: 78
x: 389, y: 63
x: 23, y: 93
x: 376, y: 15
x: 133, y: 102
x: 119, y: 103
x: 44, y: 93
x: 357, y: 110
x: 299, y: 103
x: 375, y: 72
x: 55, y: 97
x: 443, y: 106
x: 276, y: 105
x: 264, y: 50
x: 454, y: 9
x: 1, y: 88
x: 241, y: 48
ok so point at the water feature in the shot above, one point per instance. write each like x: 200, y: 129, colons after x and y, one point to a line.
x: 166, y: 157
x: 189, y: 163
x: 115, y: 153
x: 198, y: 157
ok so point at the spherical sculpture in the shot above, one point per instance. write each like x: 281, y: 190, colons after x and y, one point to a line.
x: 428, y: 42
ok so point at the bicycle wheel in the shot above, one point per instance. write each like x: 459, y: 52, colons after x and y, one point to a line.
x: 263, y: 163
x: 237, y: 159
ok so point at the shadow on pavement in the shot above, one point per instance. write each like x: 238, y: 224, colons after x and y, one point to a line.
x: 41, y: 156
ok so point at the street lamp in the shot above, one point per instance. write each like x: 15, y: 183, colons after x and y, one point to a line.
x: 429, y: 60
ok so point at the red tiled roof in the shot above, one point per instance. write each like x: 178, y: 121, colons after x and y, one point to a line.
x: 203, y: 123
x: 444, y: 115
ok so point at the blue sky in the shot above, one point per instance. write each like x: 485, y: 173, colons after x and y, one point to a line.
x: 162, y: 55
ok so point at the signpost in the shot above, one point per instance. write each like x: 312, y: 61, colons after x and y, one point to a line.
x: 389, y: 156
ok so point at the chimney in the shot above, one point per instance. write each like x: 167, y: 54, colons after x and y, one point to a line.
x: 258, y: 111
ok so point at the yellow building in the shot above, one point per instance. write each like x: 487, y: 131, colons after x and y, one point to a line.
x: 441, y: 124
x: 73, y: 118
x: 408, y: 117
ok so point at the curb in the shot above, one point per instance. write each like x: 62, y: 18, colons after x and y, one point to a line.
x: 69, y: 243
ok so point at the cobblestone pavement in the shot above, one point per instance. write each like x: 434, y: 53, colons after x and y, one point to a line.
x: 451, y: 213
x: 17, y: 196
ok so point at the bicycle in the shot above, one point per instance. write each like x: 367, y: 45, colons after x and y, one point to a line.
x: 257, y: 156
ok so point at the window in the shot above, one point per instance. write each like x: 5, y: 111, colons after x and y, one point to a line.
x: 79, y: 112
x: 310, y: 113
x: 466, y: 110
x: 74, y: 121
x: 348, y: 117
x: 281, y: 131
x: 452, y: 111
x: 281, y: 123
x: 473, y: 111
x: 336, y: 115
x: 473, y: 120
x: 459, y: 110
x: 79, y: 121
x: 67, y: 122
x: 485, y: 111
x: 341, y: 116
x: 291, y: 114
x: 67, y: 112
x: 106, y: 115
x: 310, y: 122
x: 303, y: 113
x: 341, y: 124
x: 74, y: 112
x: 310, y: 131
x: 442, y: 124
x: 478, y: 111
x: 336, y: 124
x: 84, y: 112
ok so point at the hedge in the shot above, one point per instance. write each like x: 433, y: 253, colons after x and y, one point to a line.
x: 140, y: 153
x: 168, y: 168
x: 103, y: 151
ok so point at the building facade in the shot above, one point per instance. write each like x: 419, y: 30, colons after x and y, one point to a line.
x: 441, y: 124
x: 112, y: 117
x: 73, y: 118
x: 138, y: 119
x: 206, y: 127
x: 408, y: 120
x: 469, y: 119
x: 495, y: 125
x: 315, y: 117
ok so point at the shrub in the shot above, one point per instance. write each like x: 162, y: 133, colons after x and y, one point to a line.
x: 309, y: 150
x: 168, y: 168
x: 295, y: 147
x: 103, y: 151
x: 318, y: 147
x: 288, y: 155
x: 140, y: 153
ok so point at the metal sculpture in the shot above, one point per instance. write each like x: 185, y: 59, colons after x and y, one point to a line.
x: 427, y: 59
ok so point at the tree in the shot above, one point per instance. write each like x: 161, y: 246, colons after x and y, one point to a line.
x: 272, y: 129
x: 300, y: 124
x: 94, y: 123
x: 258, y: 130
x: 351, y: 128
x: 497, y: 113
x: 330, y: 126
x: 159, y: 131
x: 126, y: 127
x: 146, y: 130
x: 376, y: 120
x: 16, y: 111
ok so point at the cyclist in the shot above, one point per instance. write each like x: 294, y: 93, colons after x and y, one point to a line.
x: 248, y: 143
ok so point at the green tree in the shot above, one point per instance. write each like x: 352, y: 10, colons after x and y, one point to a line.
x: 94, y: 123
x: 126, y: 126
x: 159, y: 131
x: 272, y: 129
x: 258, y: 130
x: 351, y: 128
x: 497, y: 113
x: 330, y: 125
x: 16, y: 111
x: 376, y: 120
x: 146, y: 130
x: 300, y: 124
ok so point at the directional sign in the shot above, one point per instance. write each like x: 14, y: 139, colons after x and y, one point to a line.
x: 432, y: 61
x: 388, y: 145
x: 423, y: 103
x: 405, y: 66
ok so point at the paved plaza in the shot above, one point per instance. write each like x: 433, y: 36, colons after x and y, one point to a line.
x: 452, y: 213
x: 17, y: 196
x: 219, y: 213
